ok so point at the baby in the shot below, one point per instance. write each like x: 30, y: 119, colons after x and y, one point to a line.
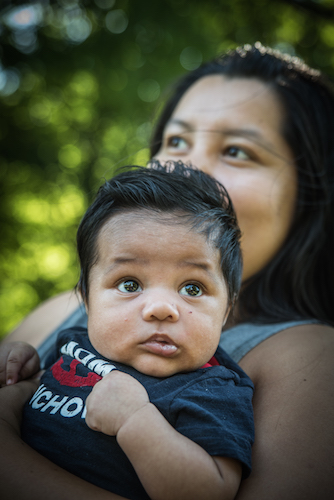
x: 160, y: 270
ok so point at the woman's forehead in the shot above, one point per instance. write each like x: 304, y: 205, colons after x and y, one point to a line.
x: 216, y: 94
x: 238, y: 107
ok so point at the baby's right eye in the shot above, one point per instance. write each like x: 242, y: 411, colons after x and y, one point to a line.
x: 129, y: 286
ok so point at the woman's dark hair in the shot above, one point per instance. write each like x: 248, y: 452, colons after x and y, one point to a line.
x: 172, y: 194
x: 299, y: 281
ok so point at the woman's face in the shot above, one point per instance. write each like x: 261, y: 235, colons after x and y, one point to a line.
x: 231, y: 129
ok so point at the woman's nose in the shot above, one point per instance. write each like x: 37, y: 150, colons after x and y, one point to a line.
x: 202, y: 158
x: 160, y: 309
x: 205, y: 166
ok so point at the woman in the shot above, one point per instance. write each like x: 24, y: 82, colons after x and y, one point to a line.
x: 261, y: 123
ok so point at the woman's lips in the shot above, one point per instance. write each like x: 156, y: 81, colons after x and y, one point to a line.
x: 161, y: 345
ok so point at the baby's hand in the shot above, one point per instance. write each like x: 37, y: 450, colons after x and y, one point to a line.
x: 113, y: 401
x: 18, y: 361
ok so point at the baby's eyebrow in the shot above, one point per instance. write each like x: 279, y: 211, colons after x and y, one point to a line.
x: 119, y: 261
x: 207, y: 267
x: 189, y: 263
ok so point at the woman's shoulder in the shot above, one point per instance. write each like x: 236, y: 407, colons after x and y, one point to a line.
x: 298, y: 347
x: 244, y: 337
x: 45, y: 318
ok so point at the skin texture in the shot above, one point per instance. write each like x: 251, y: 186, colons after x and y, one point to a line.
x: 156, y: 303
x: 293, y: 454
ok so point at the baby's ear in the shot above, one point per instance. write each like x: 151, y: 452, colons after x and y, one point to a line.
x: 82, y: 296
x: 226, y: 315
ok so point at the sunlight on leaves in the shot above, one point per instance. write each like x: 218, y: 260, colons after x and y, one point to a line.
x: 53, y: 261
x: 70, y: 156
x: 142, y: 157
x: 327, y: 34
x: 84, y: 84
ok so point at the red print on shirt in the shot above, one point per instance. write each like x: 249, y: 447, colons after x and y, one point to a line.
x: 70, y: 378
x: 211, y: 362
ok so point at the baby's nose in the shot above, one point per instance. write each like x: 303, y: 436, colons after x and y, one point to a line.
x: 160, y: 309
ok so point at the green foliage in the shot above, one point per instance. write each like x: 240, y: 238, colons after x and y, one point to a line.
x: 80, y: 82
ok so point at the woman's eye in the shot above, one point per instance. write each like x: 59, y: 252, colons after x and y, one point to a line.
x: 176, y: 142
x: 236, y: 152
x: 191, y: 290
x: 129, y: 286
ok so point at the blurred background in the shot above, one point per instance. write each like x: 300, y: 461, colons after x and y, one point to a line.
x: 81, y: 82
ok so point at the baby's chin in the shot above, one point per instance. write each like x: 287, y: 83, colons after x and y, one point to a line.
x: 162, y: 368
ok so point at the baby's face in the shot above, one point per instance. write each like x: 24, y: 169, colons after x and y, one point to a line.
x: 157, y: 296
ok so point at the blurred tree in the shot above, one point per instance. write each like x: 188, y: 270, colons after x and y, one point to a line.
x: 80, y: 81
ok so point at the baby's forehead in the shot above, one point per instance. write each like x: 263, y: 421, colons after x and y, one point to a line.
x: 188, y: 223
x: 131, y: 227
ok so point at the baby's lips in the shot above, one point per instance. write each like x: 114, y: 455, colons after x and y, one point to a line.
x: 161, y: 345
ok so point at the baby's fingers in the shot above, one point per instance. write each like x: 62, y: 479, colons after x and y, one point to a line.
x: 18, y: 361
x: 30, y: 367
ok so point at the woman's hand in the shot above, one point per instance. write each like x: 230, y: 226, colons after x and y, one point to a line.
x: 12, y: 399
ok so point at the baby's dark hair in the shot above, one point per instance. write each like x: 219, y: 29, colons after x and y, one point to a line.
x: 190, y: 196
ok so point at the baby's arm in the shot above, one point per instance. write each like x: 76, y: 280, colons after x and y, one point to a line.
x: 18, y: 361
x: 169, y: 465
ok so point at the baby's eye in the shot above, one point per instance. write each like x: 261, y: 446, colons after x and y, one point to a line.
x: 129, y: 286
x: 191, y: 290
x: 176, y: 142
x: 237, y: 152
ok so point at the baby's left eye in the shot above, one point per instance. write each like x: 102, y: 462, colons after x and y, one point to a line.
x: 192, y: 290
x: 129, y: 286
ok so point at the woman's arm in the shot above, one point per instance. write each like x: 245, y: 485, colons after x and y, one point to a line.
x: 293, y: 454
x: 24, y: 474
x: 45, y: 319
